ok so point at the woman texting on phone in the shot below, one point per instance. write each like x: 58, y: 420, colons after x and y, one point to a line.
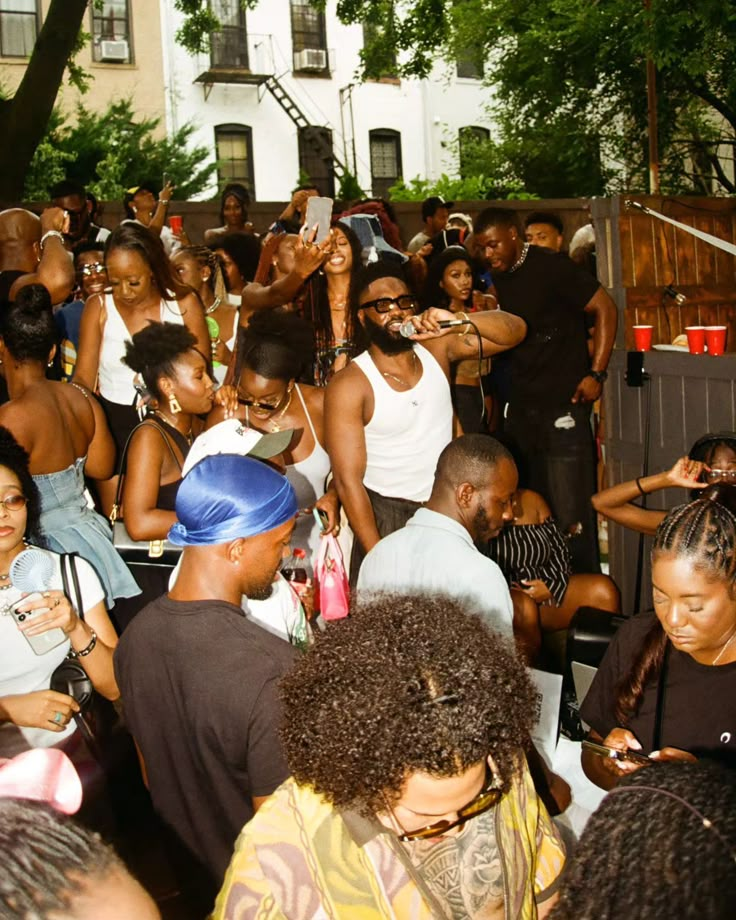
x: 31, y: 714
x: 667, y: 684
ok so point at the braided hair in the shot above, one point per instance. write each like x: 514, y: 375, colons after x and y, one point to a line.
x: 43, y: 856
x: 704, y: 532
x: 206, y: 257
x: 662, y: 844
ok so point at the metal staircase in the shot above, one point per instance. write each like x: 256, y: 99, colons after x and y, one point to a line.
x: 316, y: 141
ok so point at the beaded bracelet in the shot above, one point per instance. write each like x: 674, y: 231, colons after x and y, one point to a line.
x: 49, y: 233
x: 82, y: 653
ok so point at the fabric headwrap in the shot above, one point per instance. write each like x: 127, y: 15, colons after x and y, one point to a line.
x: 227, y: 497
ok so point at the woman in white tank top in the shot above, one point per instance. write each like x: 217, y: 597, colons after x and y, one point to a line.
x: 271, y: 353
x: 141, y: 287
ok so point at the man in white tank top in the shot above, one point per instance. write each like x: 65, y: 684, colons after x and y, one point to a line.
x: 388, y: 415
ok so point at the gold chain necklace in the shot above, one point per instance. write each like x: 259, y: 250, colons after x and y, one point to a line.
x: 403, y: 382
x: 187, y: 435
x: 726, y: 645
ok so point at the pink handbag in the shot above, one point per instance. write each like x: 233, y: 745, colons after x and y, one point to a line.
x: 332, y: 593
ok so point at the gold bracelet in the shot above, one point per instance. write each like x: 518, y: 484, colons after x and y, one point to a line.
x: 468, y: 325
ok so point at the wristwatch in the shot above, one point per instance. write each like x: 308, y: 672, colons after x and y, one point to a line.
x: 598, y: 376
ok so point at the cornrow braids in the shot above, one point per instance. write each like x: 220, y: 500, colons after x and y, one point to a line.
x: 703, y: 531
x: 207, y: 257
x: 40, y: 851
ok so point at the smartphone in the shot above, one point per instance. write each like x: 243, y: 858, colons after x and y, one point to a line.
x: 45, y: 641
x: 614, y: 754
x: 321, y: 518
x: 319, y: 211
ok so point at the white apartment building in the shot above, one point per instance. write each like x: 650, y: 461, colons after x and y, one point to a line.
x: 277, y: 94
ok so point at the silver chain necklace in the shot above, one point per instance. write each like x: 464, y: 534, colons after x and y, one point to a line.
x: 520, y: 261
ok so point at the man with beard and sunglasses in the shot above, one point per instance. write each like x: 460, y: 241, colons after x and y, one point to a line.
x: 388, y: 415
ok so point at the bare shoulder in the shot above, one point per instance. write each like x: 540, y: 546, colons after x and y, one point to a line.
x: 350, y: 385
x: 314, y: 397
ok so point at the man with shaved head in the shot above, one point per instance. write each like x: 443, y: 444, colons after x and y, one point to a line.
x: 32, y: 252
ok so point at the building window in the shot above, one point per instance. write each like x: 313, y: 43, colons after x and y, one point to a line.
x: 309, y: 37
x: 382, y: 53
x: 18, y: 27
x: 229, y: 46
x: 385, y: 147
x: 234, y: 145
x: 315, y: 158
x: 469, y: 64
x: 469, y: 139
x: 111, y: 38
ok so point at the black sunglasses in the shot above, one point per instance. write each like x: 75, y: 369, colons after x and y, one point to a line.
x: 384, y: 304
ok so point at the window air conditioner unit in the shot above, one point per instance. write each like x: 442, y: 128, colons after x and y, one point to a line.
x: 311, y: 59
x: 114, y: 51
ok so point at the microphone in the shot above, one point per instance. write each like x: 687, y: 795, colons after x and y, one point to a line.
x: 408, y: 329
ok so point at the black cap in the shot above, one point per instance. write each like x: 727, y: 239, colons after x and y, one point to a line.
x: 430, y: 206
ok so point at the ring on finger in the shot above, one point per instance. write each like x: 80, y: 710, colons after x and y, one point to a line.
x: 59, y: 718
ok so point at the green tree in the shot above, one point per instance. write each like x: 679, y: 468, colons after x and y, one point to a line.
x: 110, y: 151
x: 569, y: 81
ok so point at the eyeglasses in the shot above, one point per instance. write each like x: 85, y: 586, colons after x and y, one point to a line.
x: 92, y: 268
x: 384, y: 304
x: 14, y: 502
x: 485, y: 799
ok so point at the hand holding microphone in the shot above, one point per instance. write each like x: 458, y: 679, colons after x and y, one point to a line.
x: 431, y: 323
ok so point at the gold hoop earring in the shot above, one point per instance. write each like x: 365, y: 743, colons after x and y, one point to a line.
x: 174, y: 406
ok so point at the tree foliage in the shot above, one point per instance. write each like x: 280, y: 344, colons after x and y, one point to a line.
x: 110, y: 151
x: 570, y: 85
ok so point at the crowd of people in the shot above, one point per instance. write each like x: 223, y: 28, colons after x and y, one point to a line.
x: 186, y: 426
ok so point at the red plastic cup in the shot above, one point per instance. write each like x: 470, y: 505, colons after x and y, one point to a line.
x: 715, y: 339
x: 643, y: 338
x: 695, y: 339
x: 175, y: 222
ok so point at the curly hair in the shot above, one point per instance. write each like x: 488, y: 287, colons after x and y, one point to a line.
x: 41, y: 851
x: 278, y: 346
x: 647, y: 853
x: 245, y: 251
x: 27, y: 326
x: 133, y: 237
x: 15, y: 458
x: 704, y: 532
x: 408, y: 683
x: 154, y: 351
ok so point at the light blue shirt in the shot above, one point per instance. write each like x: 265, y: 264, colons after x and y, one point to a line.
x: 433, y: 553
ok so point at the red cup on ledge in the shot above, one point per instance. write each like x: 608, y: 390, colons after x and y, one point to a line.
x: 175, y: 222
x: 695, y: 339
x: 715, y: 339
x: 643, y: 338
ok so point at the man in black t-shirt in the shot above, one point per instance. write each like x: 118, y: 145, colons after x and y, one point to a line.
x: 553, y: 381
x: 197, y: 678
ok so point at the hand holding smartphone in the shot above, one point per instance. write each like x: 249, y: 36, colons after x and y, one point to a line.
x: 611, y: 753
x: 45, y: 641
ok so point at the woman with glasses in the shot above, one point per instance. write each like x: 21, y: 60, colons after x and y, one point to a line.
x: 31, y: 714
x: 404, y: 730
x: 272, y: 354
x: 712, y: 459
x: 64, y: 431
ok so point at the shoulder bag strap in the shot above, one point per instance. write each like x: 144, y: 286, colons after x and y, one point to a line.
x: 76, y: 598
x: 124, y: 462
